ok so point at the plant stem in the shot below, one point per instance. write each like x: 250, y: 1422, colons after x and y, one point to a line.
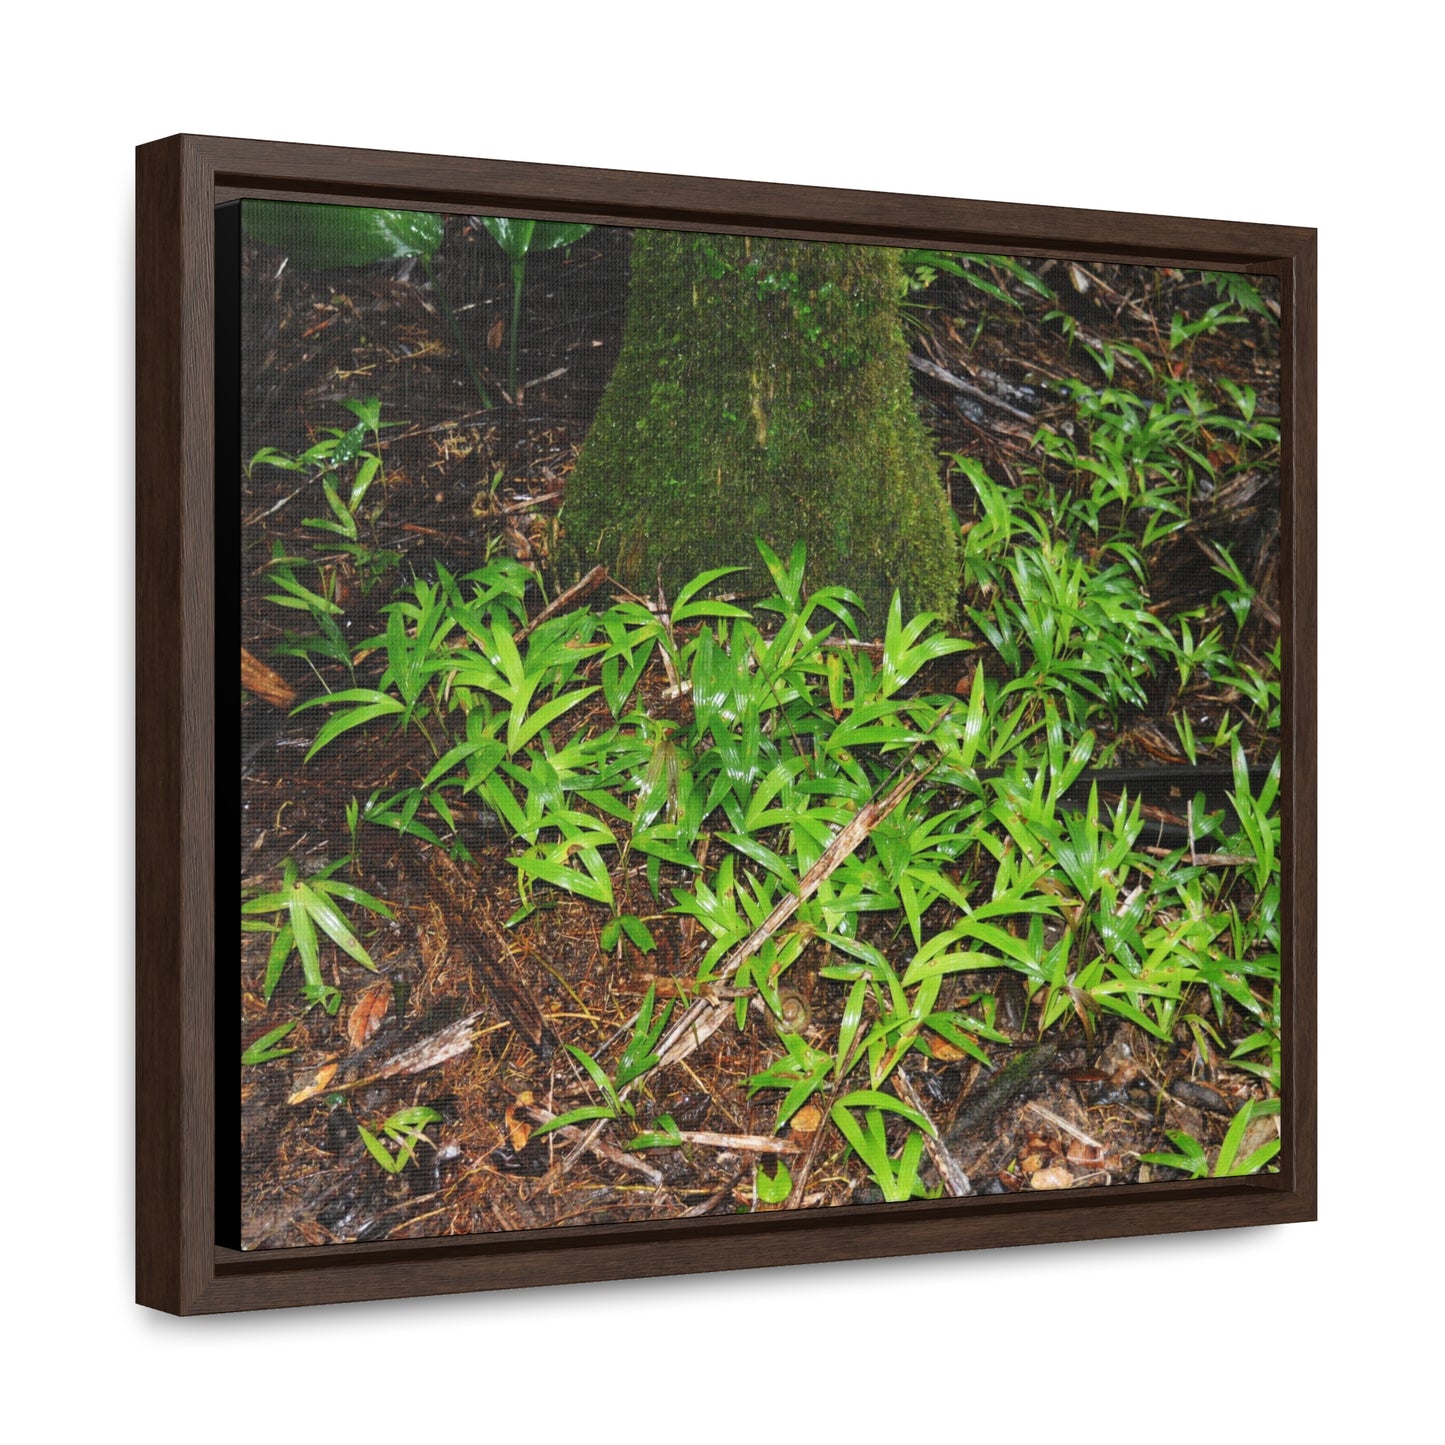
x: 456, y: 331
x: 519, y: 270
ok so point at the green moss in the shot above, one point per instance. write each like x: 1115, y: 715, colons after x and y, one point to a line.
x: 762, y: 390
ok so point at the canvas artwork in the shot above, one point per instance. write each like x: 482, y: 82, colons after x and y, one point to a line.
x: 736, y: 724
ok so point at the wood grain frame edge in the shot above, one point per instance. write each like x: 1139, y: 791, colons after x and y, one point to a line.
x: 179, y: 1268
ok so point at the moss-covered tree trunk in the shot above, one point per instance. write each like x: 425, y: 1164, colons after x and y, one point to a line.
x: 762, y: 391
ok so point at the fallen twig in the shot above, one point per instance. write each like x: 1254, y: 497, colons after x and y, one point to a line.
x: 1061, y: 1123
x: 797, y: 1194
x: 928, y: 368
x: 744, y: 1143
x: 706, y: 1206
x: 950, y: 1171
x: 564, y: 599
x: 530, y: 504
x: 593, y: 1145
x: 1208, y: 860
x: 704, y: 1018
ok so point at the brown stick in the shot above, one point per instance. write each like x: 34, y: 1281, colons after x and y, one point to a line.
x: 798, y: 1193
x: 950, y: 1171
x: 704, y: 1018
x: 744, y: 1143
x: 592, y: 1146
x: 1207, y: 860
x: 564, y: 599
x: 269, y: 686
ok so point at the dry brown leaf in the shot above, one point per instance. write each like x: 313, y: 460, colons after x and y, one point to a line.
x: 520, y: 543
x: 266, y: 684
x: 367, y: 1013
x: 807, y: 1120
x: 319, y: 1081
x: 518, y: 1131
x: 1056, y: 1178
x: 943, y: 1051
x: 494, y: 336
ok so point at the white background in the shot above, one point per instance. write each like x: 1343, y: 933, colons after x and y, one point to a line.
x: 1256, y: 113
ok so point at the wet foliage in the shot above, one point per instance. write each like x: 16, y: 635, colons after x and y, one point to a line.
x: 563, y: 907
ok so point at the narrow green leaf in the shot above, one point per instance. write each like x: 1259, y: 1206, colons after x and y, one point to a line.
x: 877, y: 1099
x: 264, y: 1049
x: 380, y: 1152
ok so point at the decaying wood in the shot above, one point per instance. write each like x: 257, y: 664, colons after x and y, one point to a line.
x: 471, y: 926
x: 269, y: 686
x: 425, y: 1053
x: 928, y: 368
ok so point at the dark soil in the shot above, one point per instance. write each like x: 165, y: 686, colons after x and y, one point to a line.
x: 465, y: 482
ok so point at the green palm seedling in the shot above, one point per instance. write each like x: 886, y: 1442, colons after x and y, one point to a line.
x: 518, y: 239
x: 1230, y: 1162
x: 310, y: 904
x: 406, y: 1128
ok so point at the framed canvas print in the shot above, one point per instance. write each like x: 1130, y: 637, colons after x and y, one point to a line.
x: 775, y: 724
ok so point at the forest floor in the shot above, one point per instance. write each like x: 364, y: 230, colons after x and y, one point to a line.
x: 431, y: 1028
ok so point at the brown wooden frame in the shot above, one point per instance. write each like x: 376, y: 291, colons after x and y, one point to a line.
x: 179, y: 1266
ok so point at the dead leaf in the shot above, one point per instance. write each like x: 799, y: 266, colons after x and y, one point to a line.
x: 271, y: 686
x: 1056, y: 1178
x: 943, y: 1051
x: 808, y: 1120
x: 518, y: 1131
x: 520, y: 543
x: 319, y: 1081
x: 1258, y: 1133
x: 367, y: 1013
